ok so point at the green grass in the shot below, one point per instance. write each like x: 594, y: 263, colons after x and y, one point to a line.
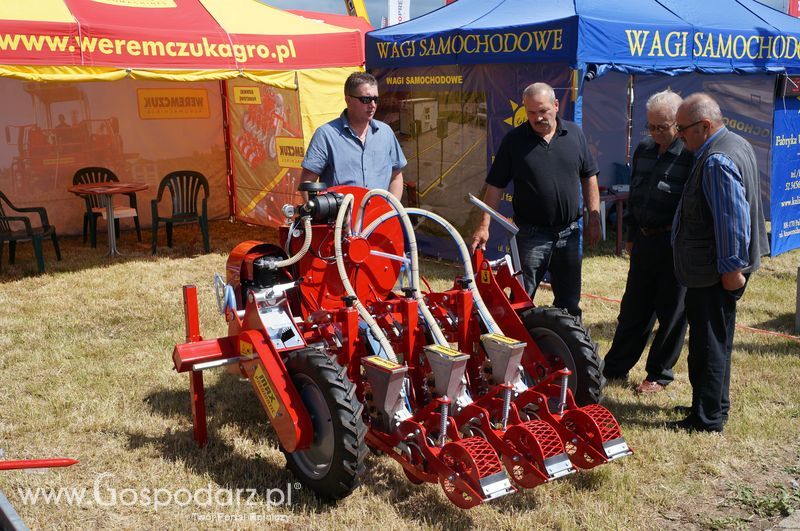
x: 86, y: 372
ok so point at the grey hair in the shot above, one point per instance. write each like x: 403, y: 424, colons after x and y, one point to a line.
x: 666, y: 99
x: 701, y: 106
x: 535, y: 89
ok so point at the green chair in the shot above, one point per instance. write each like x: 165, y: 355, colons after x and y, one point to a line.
x: 95, y: 206
x: 14, y: 228
x: 184, y: 187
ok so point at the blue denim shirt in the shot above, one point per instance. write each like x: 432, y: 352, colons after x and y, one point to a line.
x: 337, y: 155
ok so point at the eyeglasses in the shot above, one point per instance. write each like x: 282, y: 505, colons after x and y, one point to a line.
x: 660, y: 128
x: 683, y: 128
x: 366, y: 100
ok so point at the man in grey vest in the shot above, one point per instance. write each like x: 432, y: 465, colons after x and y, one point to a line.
x: 718, y: 237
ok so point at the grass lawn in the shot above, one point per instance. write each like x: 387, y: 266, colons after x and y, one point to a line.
x: 86, y: 373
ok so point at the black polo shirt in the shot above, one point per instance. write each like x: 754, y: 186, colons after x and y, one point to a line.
x: 656, y: 184
x: 547, y: 177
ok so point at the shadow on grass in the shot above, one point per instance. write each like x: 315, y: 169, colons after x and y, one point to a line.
x: 425, y: 503
x: 601, y: 330
x: 637, y: 413
x: 782, y: 323
x: 229, y: 402
x: 79, y: 256
x: 772, y: 348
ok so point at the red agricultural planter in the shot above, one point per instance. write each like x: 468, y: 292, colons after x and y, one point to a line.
x: 347, y: 347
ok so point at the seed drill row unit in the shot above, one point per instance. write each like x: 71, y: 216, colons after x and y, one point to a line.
x: 348, y: 347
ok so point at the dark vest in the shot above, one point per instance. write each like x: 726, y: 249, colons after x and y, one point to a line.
x: 695, y: 244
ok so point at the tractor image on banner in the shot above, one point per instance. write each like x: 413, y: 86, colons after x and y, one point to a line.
x: 63, y: 137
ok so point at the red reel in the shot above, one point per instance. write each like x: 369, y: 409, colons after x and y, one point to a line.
x: 471, y: 459
x: 535, y: 440
x: 372, y: 276
x: 595, y: 425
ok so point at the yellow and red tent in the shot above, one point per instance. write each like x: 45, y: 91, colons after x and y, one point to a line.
x: 269, y: 75
x: 116, y: 37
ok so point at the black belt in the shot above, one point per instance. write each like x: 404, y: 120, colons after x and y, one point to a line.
x: 652, y: 231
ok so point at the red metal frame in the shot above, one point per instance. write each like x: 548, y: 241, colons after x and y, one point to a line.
x: 37, y: 463
x: 520, y: 430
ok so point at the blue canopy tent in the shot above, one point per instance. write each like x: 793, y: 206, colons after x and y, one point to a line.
x: 639, y: 36
x: 476, y: 56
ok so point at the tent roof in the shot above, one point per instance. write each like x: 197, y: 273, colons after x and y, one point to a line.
x: 668, y: 36
x: 344, y: 21
x: 170, y: 35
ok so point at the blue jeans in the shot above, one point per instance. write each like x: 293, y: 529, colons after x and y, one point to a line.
x: 541, y: 250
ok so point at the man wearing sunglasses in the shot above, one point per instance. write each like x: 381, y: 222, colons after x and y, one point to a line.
x: 355, y: 149
x: 549, y: 162
x: 719, y: 237
x: 660, y: 167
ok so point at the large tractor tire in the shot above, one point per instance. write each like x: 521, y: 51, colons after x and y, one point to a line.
x: 566, y: 343
x: 332, y: 465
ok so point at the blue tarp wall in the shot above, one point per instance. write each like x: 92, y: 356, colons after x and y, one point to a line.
x: 495, y: 46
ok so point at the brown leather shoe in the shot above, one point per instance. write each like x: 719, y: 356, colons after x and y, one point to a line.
x: 648, y: 388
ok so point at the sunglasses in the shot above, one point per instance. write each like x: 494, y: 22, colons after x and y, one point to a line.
x: 366, y: 100
x: 660, y: 128
x: 682, y: 128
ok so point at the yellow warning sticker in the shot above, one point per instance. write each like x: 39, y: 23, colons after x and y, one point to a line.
x: 485, y: 276
x: 502, y: 339
x: 382, y: 362
x: 446, y: 351
x: 245, y: 349
x: 264, y: 389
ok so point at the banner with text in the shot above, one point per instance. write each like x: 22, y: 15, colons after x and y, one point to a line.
x: 786, y: 176
x: 267, y: 145
x: 399, y: 11
x: 450, y: 121
x: 140, y: 130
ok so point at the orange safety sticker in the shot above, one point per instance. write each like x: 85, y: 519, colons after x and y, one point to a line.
x: 485, y: 276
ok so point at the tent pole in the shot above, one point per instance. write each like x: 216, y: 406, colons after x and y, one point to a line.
x: 226, y: 129
x: 629, y: 127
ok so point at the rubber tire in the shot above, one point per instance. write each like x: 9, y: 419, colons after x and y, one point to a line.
x: 312, y: 367
x: 587, y: 381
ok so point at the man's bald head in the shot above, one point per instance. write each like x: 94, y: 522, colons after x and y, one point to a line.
x: 701, y: 106
x: 698, y: 119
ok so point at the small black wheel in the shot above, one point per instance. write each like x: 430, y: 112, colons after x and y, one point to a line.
x: 332, y: 465
x: 312, y: 186
x: 566, y: 343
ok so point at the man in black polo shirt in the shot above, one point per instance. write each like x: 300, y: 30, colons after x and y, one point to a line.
x: 549, y: 163
x: 661, y: 165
